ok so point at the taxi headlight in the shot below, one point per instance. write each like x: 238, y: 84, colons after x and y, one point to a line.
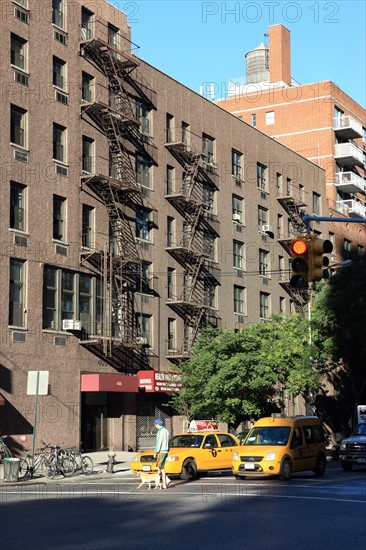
x: 271, y: 456
x: 172, y: 458
x: 236, y: 456
x: 342, y: 446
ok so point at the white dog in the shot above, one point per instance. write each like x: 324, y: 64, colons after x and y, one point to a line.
x: 149, y: 477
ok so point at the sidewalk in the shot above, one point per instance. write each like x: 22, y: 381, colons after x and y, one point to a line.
x: 121, y: 467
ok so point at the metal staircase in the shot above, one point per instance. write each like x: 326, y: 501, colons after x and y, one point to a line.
x: 119, y: 263
x: 192, y: 251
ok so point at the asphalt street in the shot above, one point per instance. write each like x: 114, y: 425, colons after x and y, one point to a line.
x: 212, y: 512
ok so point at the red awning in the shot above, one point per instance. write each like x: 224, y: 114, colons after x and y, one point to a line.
x: 109, y: 382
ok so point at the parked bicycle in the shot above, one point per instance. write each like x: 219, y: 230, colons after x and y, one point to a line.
x: 83, y: 463
x: 39, y: 463
x: 4, y: 449
x: 61, y: 462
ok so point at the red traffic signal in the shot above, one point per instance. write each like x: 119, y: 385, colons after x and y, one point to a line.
x: 299, y: 263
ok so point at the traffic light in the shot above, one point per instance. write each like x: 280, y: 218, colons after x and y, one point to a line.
x: 299, y: 263
x: 318, y: 263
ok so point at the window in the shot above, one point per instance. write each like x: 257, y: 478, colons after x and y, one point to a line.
x: 113, y: 37
x: 59, y: 218
x: 144, y: 278
x: 208, y: 146
x: 143, y: 172
x: 17, y: 293
x: 185, y: 133
x: 18, y: 52
x: 263, y: 262
x: 264, y: 305
x: 239, y: 299
x: 209, y: 293
x: 280, y: 232
x: 261, y: 176
x: 278, y: 184
x: 87, y: 226
x: 17, y: 206
x: 262, y: 217
x: 301, y: 192
x: 144, y: 323
x: 170, y: 223
x: 209, y: 245
x: 254, y: 120
x: 59, y: 143
x: 171, y: 334
x: 208, y: 198
x: 170, y: 180
x: 282, y: 306
x: 143, y: 225
x: 88, y: 155
x: 69, y: 295
x: 18, y: 118
x: 87, y: 87
x: 236, y: 165
x: 238, y: 254
x: 143, y: 115
x: 270, y: 118
x: 316, y: 204
x: 346, y: 249
x: 360, y: 251
x: 59, y: 73
x: 86, y: 24
x: 169, y: 128
x: 237, y: 209
x: 58, y: 13
x: 288, y: 187
x: 171, y: 283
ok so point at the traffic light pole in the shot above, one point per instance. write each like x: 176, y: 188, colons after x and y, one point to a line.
x: 306, y: 219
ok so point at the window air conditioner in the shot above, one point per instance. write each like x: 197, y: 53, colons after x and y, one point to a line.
x: 71, y: 324
x: 267, y: 228
x: 236, y: 217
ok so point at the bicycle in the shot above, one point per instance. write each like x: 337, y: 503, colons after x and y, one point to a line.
x: 5, y: 452
x: 83, y: 463
x: 32, y: 463
x: 61, y: 462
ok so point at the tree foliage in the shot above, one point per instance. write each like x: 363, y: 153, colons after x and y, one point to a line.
x: 339, y: 326
x: 232, y: 374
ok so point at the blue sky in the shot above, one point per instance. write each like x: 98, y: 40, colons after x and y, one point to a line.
x: 205, y: 41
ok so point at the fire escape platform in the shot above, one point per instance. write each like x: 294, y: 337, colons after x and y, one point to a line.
x: 95, y: 46
x: 123, y: 356
x: 97, y: 110
x: 100, y: 183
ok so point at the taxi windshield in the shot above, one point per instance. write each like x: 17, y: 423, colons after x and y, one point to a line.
x: 268, y: 435
x: 360, y: 429
x: 186, y: 440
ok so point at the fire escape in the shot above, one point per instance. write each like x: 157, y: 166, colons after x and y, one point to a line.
x: 194, y: 252
x: 115, y: 339
x: 295, y: 210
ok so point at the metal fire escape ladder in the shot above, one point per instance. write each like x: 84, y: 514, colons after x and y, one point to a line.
x: 295, y: 211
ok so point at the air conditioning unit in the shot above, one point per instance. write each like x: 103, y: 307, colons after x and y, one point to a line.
x: 236, y: 217
x: 141, y: 341
x: 267, y: 228
x: 71, y: 324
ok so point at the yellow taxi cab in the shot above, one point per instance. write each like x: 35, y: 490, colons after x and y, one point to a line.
x: 192, y: 454
x: 280, y: 445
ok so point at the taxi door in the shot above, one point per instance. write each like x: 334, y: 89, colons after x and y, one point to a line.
x: 210, y: 453
x: 298, y: 452
x: 309, y: 447
x: 227, y: 447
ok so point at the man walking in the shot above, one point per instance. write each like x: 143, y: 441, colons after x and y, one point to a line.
x: 161, y: 450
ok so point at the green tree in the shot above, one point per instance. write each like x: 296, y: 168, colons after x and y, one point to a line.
x: 339, y: 328
x: 232, y: 374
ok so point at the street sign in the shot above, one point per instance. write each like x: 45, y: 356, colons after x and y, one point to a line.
x: 37, y: 382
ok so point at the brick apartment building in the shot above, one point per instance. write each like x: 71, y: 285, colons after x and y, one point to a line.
x: 134, y: 212
x: 317, y: 120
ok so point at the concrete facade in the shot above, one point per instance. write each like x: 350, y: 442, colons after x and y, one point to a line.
x: 45, y: 274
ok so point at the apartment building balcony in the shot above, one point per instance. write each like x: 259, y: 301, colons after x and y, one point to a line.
x: 348, y: 154
x: 352, y: 208
x: 347, y: 127
x: 349, y: 182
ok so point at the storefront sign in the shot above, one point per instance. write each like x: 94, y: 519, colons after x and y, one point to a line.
x: 109, y: 382
x: 159, y: 381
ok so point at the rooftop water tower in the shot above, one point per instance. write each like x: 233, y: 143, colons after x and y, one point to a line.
x: 257, y: 62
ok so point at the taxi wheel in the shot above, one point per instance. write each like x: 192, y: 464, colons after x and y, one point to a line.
x: 189, y: 470
x: 319, y: 469
x: 285, y: 474
x: 346, y: 466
